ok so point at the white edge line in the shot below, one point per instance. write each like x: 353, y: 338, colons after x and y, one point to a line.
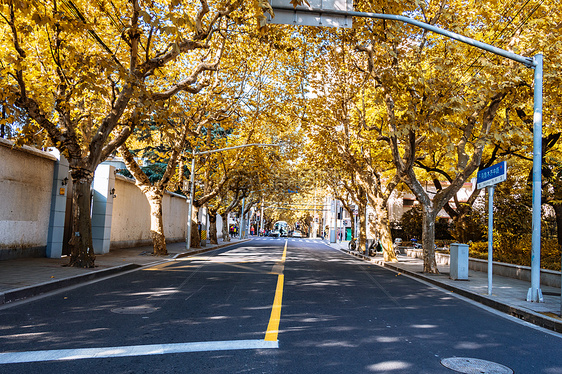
x: 133, y: 350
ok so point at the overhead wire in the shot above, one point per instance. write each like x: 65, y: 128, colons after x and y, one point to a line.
x: 495, y: 38
x: 463, y: 80
x: 496, y: 35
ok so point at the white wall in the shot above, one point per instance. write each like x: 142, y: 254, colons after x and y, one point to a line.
x: 130, y: 225
x: 28, y: 184
x: 26, y: 179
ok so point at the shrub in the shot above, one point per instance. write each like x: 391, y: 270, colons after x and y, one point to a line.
x: 518, y: 252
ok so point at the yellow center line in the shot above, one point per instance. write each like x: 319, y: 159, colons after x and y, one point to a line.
x: 273, y: 327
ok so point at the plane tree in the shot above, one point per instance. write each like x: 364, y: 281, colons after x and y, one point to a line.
x: 336, y: 126
x: 86, y: 74
x: 425, y: 104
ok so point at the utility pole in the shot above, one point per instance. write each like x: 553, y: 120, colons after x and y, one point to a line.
x: 307, y: 14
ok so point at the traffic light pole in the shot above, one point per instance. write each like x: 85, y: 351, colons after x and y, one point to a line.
x: 536, y: 63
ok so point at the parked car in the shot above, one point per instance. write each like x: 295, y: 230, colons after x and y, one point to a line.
x: 397, y: 242
x: 297, y: 234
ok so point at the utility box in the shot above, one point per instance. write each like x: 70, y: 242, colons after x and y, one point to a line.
x: 458, y: 261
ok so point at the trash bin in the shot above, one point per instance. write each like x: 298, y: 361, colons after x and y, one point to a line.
x: 458, y: 261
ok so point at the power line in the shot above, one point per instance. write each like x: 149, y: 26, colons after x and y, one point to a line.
x: 461, y: 83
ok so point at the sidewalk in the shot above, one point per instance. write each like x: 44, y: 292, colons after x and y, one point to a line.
x: 508, y: 294
x: 26, y: 277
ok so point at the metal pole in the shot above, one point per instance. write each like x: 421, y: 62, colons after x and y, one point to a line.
x: 366, y: 224
x: 527, y: 61
x: 249, y: 223
x: 314, y: 230
x: 355, y: 233
x: 261, y: 219
x: 335, y: 217
x: 236, y: 147
x: 242, y: 227
x: 535, y: 293
x: 338, y: 227
x: 490, y: 236
x: 343, y: 230
x: 191, y: 198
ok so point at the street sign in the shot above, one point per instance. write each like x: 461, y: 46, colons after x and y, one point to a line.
x: 286, y: 16
x: 492, y: 175
x: 489, y: 177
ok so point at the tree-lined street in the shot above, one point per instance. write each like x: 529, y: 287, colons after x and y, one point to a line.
x: 338, y: 315
x: 373, y: 132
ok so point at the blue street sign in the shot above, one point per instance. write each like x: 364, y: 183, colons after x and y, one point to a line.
x: 493, y: 175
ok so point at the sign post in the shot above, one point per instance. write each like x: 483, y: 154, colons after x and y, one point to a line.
x: 489, y: 177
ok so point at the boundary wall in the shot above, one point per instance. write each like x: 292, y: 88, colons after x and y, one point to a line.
x: 34, y: 186
x: 26, y: 179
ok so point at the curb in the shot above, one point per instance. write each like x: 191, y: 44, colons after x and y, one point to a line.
x: 25, y: 292
x: 525, y: 315
x: 203, y: 250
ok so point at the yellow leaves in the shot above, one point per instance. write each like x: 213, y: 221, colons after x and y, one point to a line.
x: 146, y: 17
x: 178, y: 20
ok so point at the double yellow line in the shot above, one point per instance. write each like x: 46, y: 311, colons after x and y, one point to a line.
x: 273, y: 327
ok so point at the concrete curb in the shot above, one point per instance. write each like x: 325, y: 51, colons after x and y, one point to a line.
x: 203, y: 250
x: 525, y: 315
x: 25, y: 292
x: 30, y: 291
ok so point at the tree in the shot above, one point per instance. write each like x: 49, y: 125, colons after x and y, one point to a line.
x: 154, y: 190
x: 87, y: 74
x: 337, y: 134
x: 180, y: 123
x: 428, y: 114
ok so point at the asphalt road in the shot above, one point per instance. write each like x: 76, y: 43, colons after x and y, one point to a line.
x: 216, y: 313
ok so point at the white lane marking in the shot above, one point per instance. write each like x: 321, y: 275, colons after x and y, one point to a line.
x: 133, y: 350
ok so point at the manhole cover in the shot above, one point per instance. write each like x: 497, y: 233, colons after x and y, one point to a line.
x: 474, y: 366
x: 134, y: 310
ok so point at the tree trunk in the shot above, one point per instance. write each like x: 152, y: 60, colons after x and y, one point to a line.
x: 362, y: 229
x: 382, y: 227
x: 213, y: 227
x: 195, y: 238
x: 428, y: 239
x: 81, y: 246
x: 558, y: 211
x: 225, y: 228
x: 154, y: 197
